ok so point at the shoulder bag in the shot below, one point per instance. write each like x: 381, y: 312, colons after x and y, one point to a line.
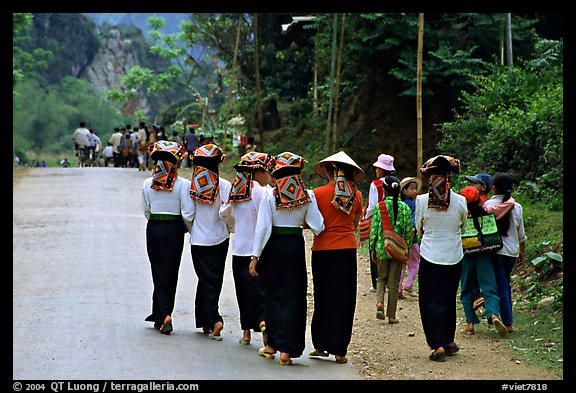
x: 396, y: 247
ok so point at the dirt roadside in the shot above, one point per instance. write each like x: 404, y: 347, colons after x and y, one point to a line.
x: 399, y: 352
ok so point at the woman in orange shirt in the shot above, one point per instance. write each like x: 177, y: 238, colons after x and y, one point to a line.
x: 334, y: 256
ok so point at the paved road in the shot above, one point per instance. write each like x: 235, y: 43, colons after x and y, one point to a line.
x: 82, y: 288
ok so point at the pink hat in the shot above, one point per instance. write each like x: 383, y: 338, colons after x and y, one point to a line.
x: 385, y: 162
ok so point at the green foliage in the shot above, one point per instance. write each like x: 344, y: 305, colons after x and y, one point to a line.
x: 44, y: 119
x: 513, y: 121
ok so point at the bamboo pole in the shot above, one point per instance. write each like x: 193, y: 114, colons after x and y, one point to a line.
x: 419, y: 93
x: 257, y: 65
x: 337, y: 87
x: 232, y: 81
x: 332, y: 70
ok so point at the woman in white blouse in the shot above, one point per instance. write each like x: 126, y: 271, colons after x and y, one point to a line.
x: 279, y: 254
x: 253, y: 174
x: 209, y: 236
x: 440, y: 220
x: 165, y: 200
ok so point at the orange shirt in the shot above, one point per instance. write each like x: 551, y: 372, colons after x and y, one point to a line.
x: 339, y: 226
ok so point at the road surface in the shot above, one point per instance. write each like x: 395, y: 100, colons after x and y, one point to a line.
x: 82, y: 287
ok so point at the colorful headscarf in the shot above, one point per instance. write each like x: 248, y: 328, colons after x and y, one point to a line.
x: 204, y: 185
x: 439, y: 192
x: 344, y: 192
x: 167, y: 156
x: 289, y: 189
x: 242, y: 186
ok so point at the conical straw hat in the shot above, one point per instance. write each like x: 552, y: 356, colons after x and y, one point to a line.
x: 340, y: 157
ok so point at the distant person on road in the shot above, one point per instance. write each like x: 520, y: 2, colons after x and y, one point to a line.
x: 252, y: 176
x: 81, y: 137
x: 191, y: 143
x: 143, y: 143
x: 440, y: 221
x: 115, y: 140
x: 165, y: 198
x: 108, y: 153
x: 334, y: 268
x: 279, y: 250
x: 209, y: 236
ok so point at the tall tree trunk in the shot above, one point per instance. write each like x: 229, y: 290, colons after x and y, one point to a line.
x: 256, y: 49
x: 419, y: 93
x: 337, y: 87
x: 232, y: 81
x: 502, y: 40
x: 509, y: 61
x: 332, y: 70
x: 315, y: 89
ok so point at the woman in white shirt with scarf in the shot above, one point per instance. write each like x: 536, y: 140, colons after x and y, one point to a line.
x: 440, y: 220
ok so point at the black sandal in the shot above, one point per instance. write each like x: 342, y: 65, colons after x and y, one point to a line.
x: 438, y: 357
x: 451, y: 349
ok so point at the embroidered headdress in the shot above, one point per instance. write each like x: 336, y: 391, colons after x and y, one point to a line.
x: 204, y: 185
x: 341, y: 169
x: 439, y: 191
x: 242, y: 185
x: 289, y: 189
x: 167, y: 156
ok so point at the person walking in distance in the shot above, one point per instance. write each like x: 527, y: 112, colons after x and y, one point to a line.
x: 165, y: 202
x: 191, y: 143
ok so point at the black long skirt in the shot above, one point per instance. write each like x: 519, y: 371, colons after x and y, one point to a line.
x: 437, y: 295
x: 334, y: 277
x: 285, y: 282
x: 209, y: 263
x: 164, y: 244
x: 249, y: 293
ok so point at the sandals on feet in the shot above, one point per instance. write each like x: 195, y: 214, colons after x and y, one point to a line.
x: 317, y: 352
x: 265, y: 354
x: 341, y: 359
x: 166, y: 327
x: 451, y: 349
x: 438, y: 356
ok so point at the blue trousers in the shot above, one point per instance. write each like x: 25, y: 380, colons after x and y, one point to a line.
x: 477, y: 269
x: 503, y: 266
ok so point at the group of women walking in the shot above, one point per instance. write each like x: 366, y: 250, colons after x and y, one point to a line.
x: 267, y: 207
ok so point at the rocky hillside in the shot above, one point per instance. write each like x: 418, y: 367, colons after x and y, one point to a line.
x: 102, y: 56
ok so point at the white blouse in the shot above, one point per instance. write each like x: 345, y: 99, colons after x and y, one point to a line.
x: 269, y: 216
x: 372, y: 199
x: 516, y: 234
x: 208, y: 228
x: 177, y: 202
x: 441, y: 230
x: 244, y: 215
